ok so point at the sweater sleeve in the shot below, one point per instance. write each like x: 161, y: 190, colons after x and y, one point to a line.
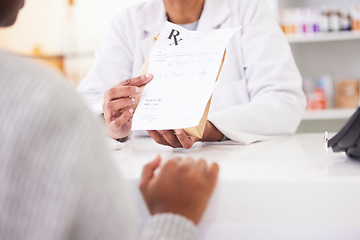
x: 169, y: 226
x: 58, y: 179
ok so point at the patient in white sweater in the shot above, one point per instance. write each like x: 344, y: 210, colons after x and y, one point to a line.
x: 57, y: 180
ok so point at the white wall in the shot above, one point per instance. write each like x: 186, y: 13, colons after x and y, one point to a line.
x: 47, y: 23
x: 92, y: 19
x: 39, y: 23
x: 59, y: 29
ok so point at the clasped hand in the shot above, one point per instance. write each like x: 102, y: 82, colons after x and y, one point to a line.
x: 182, y: 186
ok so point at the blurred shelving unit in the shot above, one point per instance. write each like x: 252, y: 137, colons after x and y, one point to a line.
x: 323, y: 37
x: 331, y: 53
x: 327, y: 114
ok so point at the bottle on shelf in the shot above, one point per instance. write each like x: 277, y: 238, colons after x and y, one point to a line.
x: 355, y: 17
x: 320, y: 96
x: 317, y: 98
x: 324, y: 19
x: 345, y: 20
x: 315, y: 20
x: 347, y: 92
x: 334, y: 19
x: 327, y: 83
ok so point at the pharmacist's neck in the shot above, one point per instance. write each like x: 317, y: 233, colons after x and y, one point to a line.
x: 184, y: 11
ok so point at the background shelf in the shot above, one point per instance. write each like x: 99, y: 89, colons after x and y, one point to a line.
x: 323, y: 37
x: 327, y: 114
x: 319, y: 121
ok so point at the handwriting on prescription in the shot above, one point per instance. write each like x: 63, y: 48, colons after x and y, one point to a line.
x: 185, y: 67
x: 153, y: 102
x: 186, y: 62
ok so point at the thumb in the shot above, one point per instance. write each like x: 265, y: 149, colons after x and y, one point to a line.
x: 148, y: 171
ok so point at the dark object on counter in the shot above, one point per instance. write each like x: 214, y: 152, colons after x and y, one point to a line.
x: 348, y: 138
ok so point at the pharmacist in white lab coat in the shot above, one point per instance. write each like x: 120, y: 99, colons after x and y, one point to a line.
x: 259, y: 93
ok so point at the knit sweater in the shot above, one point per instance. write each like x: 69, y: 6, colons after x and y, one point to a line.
x: 57, y: 178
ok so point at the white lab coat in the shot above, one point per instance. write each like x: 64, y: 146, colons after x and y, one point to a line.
x: 259, y: 93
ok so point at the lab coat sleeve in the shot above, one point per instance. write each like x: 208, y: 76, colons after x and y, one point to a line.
x: 274, y: 84
x: 113, y: 64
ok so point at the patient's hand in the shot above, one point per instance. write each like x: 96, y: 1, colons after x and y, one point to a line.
x: 179, y: 139
x: 182, y: 186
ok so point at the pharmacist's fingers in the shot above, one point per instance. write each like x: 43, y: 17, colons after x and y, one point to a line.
x: 157, y: 137
x: 170, y: 138
x: 185, y: 140
x: 138, y: 81
x: 120, y: 103
x: 118, y: 123
x: 117, y: 92
x: 111, y: 107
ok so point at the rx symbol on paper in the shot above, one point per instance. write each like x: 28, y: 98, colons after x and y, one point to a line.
x: 175, y: 35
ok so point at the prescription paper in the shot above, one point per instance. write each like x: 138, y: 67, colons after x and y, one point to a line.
x: 185, y: 65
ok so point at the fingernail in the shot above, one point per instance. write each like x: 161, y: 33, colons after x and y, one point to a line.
x: 149, y: 75
x: 131, y: 110
x: 178, y: 132
x: 133, y: 99
x: 137, y: 90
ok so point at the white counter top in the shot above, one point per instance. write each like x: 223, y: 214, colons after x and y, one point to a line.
x: 287, y: 188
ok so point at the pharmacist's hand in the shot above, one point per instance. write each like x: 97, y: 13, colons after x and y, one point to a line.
x: 182, y: 186
x: 173, y: 138
x: 116, y: 99
x: 179, y: 139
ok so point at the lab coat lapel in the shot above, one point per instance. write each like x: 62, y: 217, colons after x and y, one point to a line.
x: 214, y: 14
x: 152, y: 19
